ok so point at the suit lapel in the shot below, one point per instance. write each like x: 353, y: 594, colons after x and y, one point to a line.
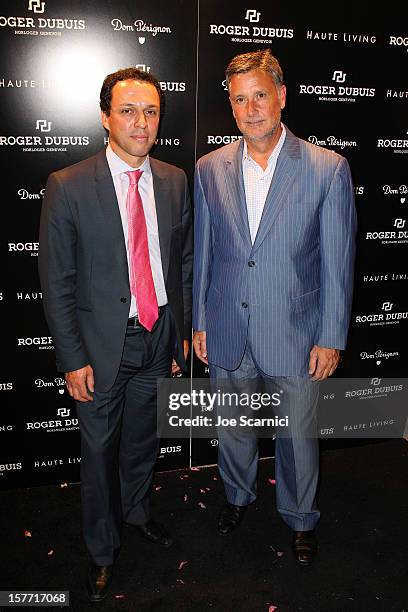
x: 284, y: 175
x: 236, y: 191
x: 163, y: 211
x: 109, y: 204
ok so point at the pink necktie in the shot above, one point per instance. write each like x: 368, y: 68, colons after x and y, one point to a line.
x: 141, y: 279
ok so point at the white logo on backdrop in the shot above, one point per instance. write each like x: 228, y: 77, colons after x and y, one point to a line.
x: 399, y: 41
x: 139, y: 26
x: 347, y: 37
x: 383, y: 278
x: 63, y: 412
x: 36, y: 6
x: 339, y: 76
x: 60, y: 424
x: 337, y: 93
x: 379, y: 355
x: 383, y: 318
x: 400, y: 145
x: 332, y: 141
x: 43, y: 125
x: 24, y: 194
x: 252, y: 15
x: 143, y: 67
x: 391, y: 190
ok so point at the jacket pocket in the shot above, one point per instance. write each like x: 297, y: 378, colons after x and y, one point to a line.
x: 306, y: 301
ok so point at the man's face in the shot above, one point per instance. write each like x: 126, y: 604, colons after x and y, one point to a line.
x: 133, y: 120
x: 256, y: 104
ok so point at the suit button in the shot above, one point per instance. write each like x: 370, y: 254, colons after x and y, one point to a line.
x: 244, y: 305
x: 251, y: 263
x: 123, y: 300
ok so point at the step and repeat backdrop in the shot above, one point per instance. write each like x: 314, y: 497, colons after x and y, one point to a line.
x: 346, y: 75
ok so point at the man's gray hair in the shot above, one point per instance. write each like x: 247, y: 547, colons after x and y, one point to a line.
x: 264, y: 60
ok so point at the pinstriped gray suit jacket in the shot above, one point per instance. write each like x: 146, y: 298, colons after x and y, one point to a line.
x: 298, y: 290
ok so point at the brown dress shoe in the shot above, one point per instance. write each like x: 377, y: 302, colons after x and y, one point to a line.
x: 304, y: 546
x: 229, y: 518
x: 99, y: 581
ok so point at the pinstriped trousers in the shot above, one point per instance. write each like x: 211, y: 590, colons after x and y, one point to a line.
x: 297, y: 446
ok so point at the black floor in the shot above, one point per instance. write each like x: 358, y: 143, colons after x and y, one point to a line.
x: 363, y: 535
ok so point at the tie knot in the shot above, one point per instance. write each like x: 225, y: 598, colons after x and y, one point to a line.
x: 134, y: 176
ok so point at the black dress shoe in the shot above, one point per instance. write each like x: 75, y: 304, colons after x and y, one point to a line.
x: 155, y: 533
x: 99, y: 581
x: 229, y: 518
x: 304, y: 546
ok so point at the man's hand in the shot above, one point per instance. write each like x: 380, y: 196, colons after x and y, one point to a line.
x: 175, y: 368
x: 200, y: 345
x: 323, y: 362
x: 80, y: 384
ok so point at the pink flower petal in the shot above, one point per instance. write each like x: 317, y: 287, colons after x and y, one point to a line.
x: 215, y: 478
x: 203, y: 491
x: 207, y: 488
x: 279, y: 553
x: 63, y: 485
x: 50, y: 552
x: 180, y: 581
x: 182, y: 564
x: 272, y: 481
x: 203, y: 506
x: 185, y: 498
x: 121, y: 596
x: 272, y: 608
x: 157, y: 487
x: 27, y: 534
x: 195, y: 469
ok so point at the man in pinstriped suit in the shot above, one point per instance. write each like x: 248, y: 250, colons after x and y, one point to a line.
x: 274, y: 256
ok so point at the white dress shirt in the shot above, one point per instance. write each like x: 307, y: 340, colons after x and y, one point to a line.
x: 257, y: 183
x: 118, y: 169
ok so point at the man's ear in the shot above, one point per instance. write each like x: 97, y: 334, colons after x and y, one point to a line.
x: 105, y: 120
x: 232, y: 108
x: 282, y: 96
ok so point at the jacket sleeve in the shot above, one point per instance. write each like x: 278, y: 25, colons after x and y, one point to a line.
x: 58, y: 275
x: 202, y: 253
x: 187, y: 260
x: 337, y: 253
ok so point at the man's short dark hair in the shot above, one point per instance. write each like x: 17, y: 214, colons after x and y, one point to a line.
x: 264, y: 60
x: 126, y: 74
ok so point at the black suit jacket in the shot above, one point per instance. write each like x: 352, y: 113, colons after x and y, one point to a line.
x: 83, y: 266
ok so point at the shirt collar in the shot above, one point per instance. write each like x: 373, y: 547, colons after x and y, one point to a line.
x: 275, y: 152
x: 117, y: 166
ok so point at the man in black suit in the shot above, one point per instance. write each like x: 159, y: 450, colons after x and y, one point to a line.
x: 115, y: 264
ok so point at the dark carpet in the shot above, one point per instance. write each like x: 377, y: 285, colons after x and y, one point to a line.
x: 362, y: 564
